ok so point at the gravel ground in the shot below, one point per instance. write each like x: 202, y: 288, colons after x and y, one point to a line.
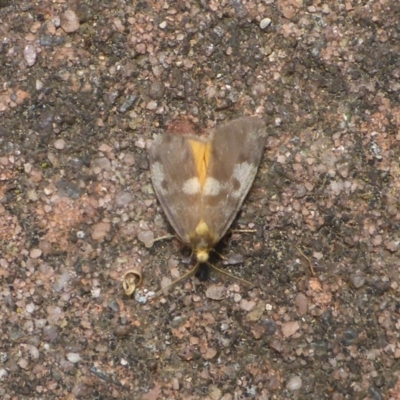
x: 85, y: 86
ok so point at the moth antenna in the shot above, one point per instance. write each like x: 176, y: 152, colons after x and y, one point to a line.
x: 174, y: 283
x: 221, y: 271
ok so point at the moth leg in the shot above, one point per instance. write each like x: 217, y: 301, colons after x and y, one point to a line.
x: 219, y: 255
x: 179, y: 280
x: 221, y: 271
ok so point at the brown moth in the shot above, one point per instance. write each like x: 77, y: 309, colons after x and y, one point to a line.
x: 201, y: 183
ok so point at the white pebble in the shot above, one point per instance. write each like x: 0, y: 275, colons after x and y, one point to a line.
x: 265, y: 22
x: 96, y: 292
x: 3, y: 373
x: 61, y: 281
x: 39, y: 84
x: 147, y: 238
x: 59, y: 144
x: 35, y: 253
x: 30, y: 55
x: 73, y: 357
x: 28, y: 168
x: 294, y: 383
x: 151, y: 105
x: 143, y: 296
x: 34, y: 352
x: 30, y: 308
x: 23, y: 363
x: 56, y: 21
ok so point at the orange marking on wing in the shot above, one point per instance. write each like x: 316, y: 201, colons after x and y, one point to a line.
x: 202, y: 154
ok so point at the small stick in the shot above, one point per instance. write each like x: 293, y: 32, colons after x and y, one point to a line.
x: 165, y: 237
x: 243, y: 230
x: 308, y: 260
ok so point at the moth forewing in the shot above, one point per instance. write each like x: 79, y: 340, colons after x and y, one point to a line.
x: 173, y: 173
x: 237, y: 149
x: 202, y: 183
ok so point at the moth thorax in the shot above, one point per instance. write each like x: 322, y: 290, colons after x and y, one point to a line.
x: 202, y: 255
x: 202, y: 229
x: 202, y: 240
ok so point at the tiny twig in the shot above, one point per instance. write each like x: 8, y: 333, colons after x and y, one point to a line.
x: 243, y: 230
x: 103, y: 376
x: 308, y: 260
x: 165, y: 237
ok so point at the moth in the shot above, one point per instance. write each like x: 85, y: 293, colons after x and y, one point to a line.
x: 201, y: 183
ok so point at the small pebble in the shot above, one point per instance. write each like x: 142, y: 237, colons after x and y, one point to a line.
x: 247, y: 305
x: 30, y: 55
x: 73, y: 357
x: 294, y: 383
x: 35, y: 253
x: 23, y: 363
x: 234, y: 259
x: 33, y: 352
x: 50, y: 332
x: 39, y: 85
x: 357, y: 279
x: 100, y: 231
x: 301, y: 303
x: 69, y: 21
x: 56, y: 21
x: 3, y: 373
x: 147, y: 238
x: 237, y: 297
x: 256, y: 313
x: 143, y: 297
x: 123, y: 199
x: 265, y: 22
x: 95, y: 293
x: 156, y: 90
x: 215, y: 292
x: 214, y: 392
x: 128, y: 103
x: 151, y: 105
x: 30, y: 308
x: 392, y: 245
x: 59, y: 144
x: 290, y: 328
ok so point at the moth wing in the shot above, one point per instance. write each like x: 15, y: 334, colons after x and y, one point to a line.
x: 237, y: 149
x: 171, y: 167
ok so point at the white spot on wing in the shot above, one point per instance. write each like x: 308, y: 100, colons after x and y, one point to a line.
x: 242, y: 173
x: 192, y: 186
x: 212, y: 187
x: 158, y: 176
